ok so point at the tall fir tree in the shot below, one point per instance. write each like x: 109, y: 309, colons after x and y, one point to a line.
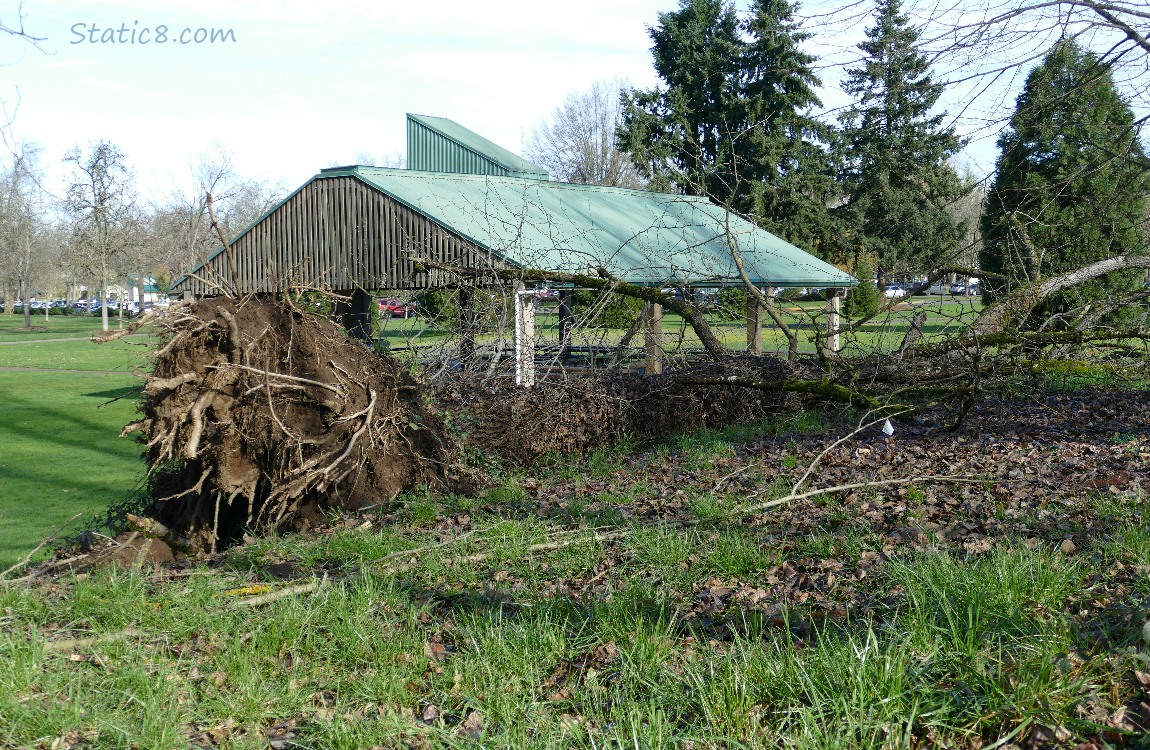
x: 792, y: 182
x: 680, y: 136
x: 1071, y: 185
x: 895, y: 155
x: 732, y: 120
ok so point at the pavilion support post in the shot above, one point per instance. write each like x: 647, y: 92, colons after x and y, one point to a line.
x: 834, y: 315
x: 466, y: 325
x: 524, y: 337
x: 754, y: 326
x: 357, y: 316
x: 566, y: 320
x: 653, y: 337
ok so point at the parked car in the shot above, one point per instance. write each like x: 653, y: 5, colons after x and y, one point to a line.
x: 917, y: 284
x: 893, y: 291
x: 958, y: 288
x: 396, y: 308
x: 544, y: 294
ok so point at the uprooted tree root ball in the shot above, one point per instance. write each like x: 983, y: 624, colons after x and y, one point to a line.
x: 260, y: 416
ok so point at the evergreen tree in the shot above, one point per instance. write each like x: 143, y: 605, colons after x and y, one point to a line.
x: 732, y: 121
x: 681, y: 136
x: 895, y: 154
x: 791, y: 179
x: 1071, y: 183
x: 863, y: 300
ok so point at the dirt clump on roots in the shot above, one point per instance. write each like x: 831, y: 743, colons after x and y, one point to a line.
x: 584, y: 412
x: 259, y: 416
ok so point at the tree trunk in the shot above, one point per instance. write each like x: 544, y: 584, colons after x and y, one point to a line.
x: 104, y: 305
x: 27, y: 304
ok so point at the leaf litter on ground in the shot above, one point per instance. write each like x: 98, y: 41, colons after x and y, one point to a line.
x: 1063, y: 480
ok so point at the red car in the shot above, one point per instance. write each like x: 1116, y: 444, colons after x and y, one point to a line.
x: 395, y: 308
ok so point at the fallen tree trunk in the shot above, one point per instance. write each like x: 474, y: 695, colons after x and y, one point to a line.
x: 1010, y: 312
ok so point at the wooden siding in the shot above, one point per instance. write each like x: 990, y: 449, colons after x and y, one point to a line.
x: 336, y: 233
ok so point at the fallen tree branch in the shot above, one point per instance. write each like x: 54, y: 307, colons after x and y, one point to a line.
x: 790, y: 497
x: 28, y: 557
x: 824, y: 387
x: 863, y: 425
x: 1011, y: 311
x: 73, y: 644
x: 574, y: 536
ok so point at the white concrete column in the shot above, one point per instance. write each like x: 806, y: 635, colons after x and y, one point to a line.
x: 524, y: 338
x: 834, y: 315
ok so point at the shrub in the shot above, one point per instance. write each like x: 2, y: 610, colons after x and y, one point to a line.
x: 619, y: 311
x: 863, y: 300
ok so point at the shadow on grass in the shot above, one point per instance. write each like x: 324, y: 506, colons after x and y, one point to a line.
x: 116, y: 394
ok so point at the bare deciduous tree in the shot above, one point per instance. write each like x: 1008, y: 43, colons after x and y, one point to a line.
x: 578, y: 143
x: 179, y: 229
x: 102, y: 201
x: 22, y: 227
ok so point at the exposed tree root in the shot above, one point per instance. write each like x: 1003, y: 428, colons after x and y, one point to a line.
x: 259, y: 416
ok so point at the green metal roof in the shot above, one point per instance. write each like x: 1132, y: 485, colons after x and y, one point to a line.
x: 436, y: 144
x: 638, y: 236
x: 150, y: 286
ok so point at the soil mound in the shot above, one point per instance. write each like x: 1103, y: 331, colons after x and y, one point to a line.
x: 260, y: 416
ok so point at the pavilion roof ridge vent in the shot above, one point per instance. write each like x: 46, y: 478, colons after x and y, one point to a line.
x: 437, y: 144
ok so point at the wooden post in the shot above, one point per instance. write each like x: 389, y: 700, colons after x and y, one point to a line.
x: 566, y: 320
x: 834, y: 310
x: 357, y: 319
x: 653, y: 338
x: 524, y: 337
x: 466, y: 325
x: 754, y: 325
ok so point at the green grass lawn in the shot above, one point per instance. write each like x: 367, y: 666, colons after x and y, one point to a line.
x: 122, y: 355
x: 528, y: 631
x: 60, y: 450
x: 53, y: 326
